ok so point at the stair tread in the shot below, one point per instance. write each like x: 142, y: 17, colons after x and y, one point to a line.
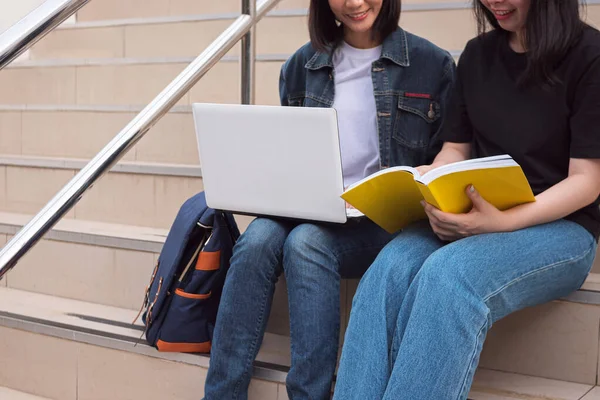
x: 11, y: 394
x: 95, y: 228
x: 126, y: 61
x: 175, y: 19
x: 107, y: 108
x: 73, y: 313
x: 137, y: 237
x: 130, y: 167
x: 293, y: 12
x: 112, y: 324
x: 496, y: 385
x: 592, y: 283
x: 594, y: 394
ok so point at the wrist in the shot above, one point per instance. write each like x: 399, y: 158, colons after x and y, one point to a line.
x: 512, y: 220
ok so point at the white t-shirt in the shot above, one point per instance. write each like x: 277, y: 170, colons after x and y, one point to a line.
x: 357, y: 114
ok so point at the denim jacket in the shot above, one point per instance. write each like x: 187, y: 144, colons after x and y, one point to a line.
x: 412, y: 81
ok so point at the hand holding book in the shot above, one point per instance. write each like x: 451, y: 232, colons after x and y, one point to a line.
x: 392, y: 197
x: 482, y: 218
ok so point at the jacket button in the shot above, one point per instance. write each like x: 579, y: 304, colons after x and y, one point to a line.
x: 431, y: 113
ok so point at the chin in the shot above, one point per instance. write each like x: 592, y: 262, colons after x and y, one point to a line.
x: 362, y: 28
x: 508, y: 28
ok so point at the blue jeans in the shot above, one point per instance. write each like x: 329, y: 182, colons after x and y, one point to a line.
x: 423, y: 309
x: 313, y: 258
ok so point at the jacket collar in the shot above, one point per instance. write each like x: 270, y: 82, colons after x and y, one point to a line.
x: 394, y: 48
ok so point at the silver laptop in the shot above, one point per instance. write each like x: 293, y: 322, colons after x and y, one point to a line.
x: 272, y: 161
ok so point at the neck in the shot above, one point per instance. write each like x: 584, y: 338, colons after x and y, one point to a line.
x: 517, y: 41
x: 360, y: 40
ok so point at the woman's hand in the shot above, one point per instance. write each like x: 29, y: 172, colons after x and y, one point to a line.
x: 450, y: 153
x: 483, y: 218
x: 423, y: 169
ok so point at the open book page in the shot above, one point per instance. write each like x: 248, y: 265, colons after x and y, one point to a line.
x: 504, y: 186
x: 390, y: 198
x: 467, y: 165
x: 390, y: 170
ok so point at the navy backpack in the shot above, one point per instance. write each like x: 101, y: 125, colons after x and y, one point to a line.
x: 182, y: 299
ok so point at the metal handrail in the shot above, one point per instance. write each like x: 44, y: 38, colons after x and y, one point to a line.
x: 248, y: 56
x: 37, y: 24
x: 134, y: 131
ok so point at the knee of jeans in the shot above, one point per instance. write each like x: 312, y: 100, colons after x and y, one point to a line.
x: 262, y: 234
x: 261, y: 245
x: 394, y: 263
x: 444, y: 272
x: 307, y: 245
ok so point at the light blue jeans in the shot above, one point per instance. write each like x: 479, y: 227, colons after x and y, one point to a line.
x: 313, y: 258
x: 422, y: 311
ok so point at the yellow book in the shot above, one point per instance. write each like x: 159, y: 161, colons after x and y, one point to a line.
x: 391, y: 197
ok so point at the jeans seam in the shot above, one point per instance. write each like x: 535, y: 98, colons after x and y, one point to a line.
x: 534, y: 272
x: 252, y: 347
x: 338, y: 327
x: 463, y: 387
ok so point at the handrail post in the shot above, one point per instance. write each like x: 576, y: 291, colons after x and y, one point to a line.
x: 248, y: 57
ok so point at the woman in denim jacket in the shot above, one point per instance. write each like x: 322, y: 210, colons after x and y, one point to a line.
x: 390, y: 90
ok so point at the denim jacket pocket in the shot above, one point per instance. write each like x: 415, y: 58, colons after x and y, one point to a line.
x: 414, y: 119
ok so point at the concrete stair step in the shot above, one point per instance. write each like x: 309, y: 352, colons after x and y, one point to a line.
x: 282, y: 32
x: 57, y: 131
x: 119, y: 9
x: 495, y: 385
x: 166, y: 36
x: 108, y: 264
x: 133, y: 194
x: 77, y: 350
x: 594, y: 394
x: 558, y: 340
x: 10, y: 394
x: 115, y: 9
x: 128, y: 82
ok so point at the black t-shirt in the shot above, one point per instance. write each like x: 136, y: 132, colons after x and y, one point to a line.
x: 541, y: 128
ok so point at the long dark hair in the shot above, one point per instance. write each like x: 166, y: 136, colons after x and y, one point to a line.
x: 325, y: 31
x: 551, y: 29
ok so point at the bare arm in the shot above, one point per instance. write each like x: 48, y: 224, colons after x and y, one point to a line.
x: 451, y: 152
x: 578, y: 190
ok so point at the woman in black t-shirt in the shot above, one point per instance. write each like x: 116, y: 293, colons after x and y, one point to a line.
x: 530, y: 88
